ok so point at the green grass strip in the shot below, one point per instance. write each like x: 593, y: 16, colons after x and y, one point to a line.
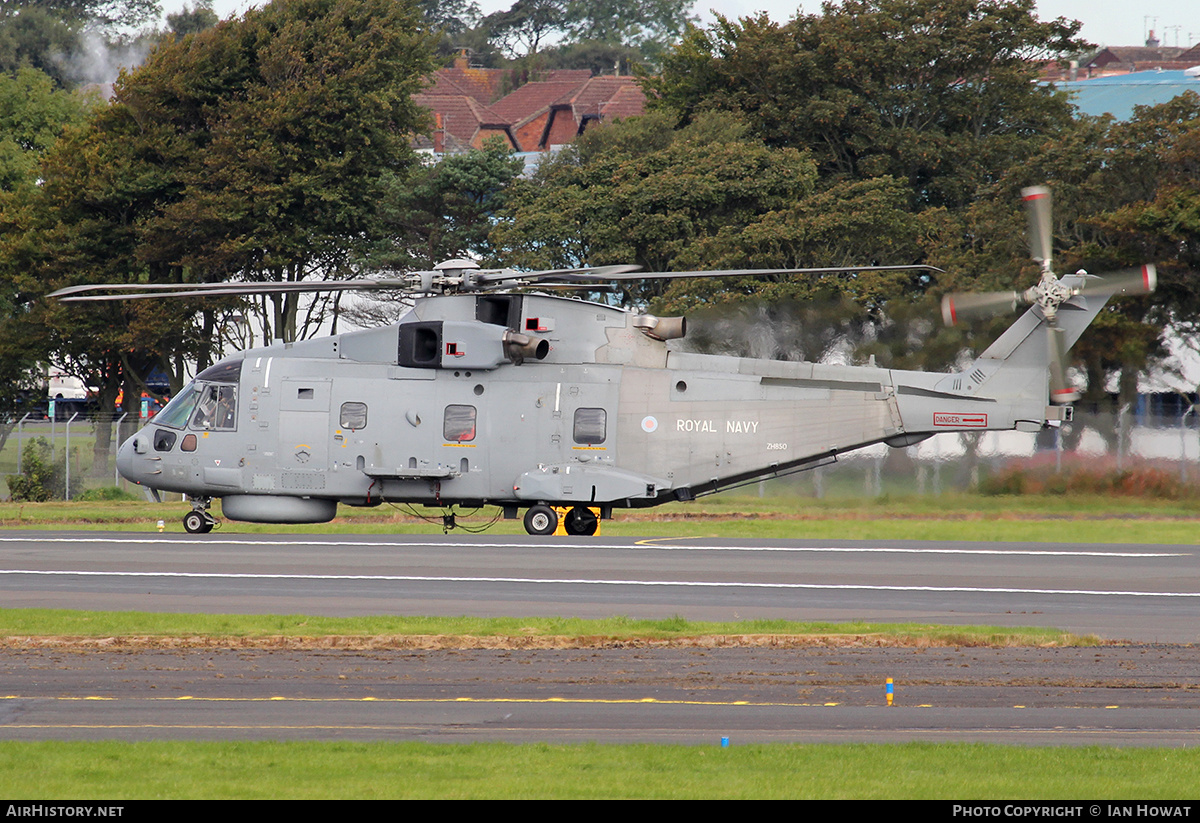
x: 20, y: 623
x: 950, y: 517
x: 258, y: 770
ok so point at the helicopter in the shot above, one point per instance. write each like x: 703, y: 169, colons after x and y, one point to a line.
x: 494, y: 390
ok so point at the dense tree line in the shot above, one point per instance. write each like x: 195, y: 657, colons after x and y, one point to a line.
x: 256, y: 149
x: 911, y: 125
x: 602, y: 35
x: 277, y: 146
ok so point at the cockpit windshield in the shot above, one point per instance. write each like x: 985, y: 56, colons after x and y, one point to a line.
x: 176, y: 413
x: 206, y: 406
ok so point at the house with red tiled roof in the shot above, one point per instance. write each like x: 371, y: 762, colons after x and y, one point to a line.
x: 1125, y: 59
x: 550, y: 111
x: 484, y: 85
x: 1191, y: 56
x: 460, y: 123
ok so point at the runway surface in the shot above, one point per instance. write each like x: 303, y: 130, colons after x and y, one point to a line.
x: 1139, y: 694
x: 1131, y: 695
x: 1148, y: 593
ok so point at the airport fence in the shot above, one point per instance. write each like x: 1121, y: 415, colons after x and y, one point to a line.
x: 1125, y: 442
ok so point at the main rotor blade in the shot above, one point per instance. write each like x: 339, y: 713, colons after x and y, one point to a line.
x: 676, y: 275
x: 451, y: 280
x: 960, y: 306
x: 142, y: 291
x: 1037, y: 210
x: 598, y: 273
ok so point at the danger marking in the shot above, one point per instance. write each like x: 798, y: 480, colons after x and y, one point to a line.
x: 960, y: 421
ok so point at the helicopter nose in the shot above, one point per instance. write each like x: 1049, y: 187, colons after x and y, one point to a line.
x: 125, y: 459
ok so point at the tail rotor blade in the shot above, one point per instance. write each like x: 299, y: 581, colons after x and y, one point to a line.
x: 957, y: 307
x: 1037, y: 209
x: 1061, y: 392
x: 1130, y: 282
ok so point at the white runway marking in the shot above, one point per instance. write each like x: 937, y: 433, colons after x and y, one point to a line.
x: 596, y: 582
x: 203, y: 543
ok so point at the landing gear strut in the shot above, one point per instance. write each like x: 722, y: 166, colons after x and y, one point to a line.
x: 198, y: 520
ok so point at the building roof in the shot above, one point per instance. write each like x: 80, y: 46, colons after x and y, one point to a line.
x: 459, y: 119
x: 1118, y: 94
x: 483, y: 85
x: 537, y: 96
x: 550, y: 110
x: 1130, y: 55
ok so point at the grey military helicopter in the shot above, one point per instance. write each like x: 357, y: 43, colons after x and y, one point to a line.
x: 492, y: 390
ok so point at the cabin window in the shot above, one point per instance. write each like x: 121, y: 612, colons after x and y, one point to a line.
x: 217, y: 409
x: 354, y: 416
x: 459, y: 423
x: 590, y: 426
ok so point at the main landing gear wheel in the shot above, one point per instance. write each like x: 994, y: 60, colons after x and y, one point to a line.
x: 197, y: 523
x: 541, y: 520
x: 580, y: 522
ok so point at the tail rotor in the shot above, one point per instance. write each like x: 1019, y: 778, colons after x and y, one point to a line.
x: 1050, y: 293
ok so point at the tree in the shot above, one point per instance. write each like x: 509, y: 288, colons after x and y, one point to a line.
x: 446, y: 209
x: 580, y: 31
x: 520, y: 30
x: 37, y: 39
x: 254, y: 149
x: 452, y: 17
x: 192, y: 18
x: 73, y: 41
x: 280, y: 129
x: 641, y: 192
x: 937, y: 93
x: 855, y: 223
x: 594, y: 55
x: 1124, y: 194
x: 648, y: 25
x: 440, y: 211
x: 33, y: 114
x: 81, y: 225
x: 107, y: 14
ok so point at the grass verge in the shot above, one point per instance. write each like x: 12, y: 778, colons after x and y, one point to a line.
x: 258, y: 770
x: 948, y: 517
x: 23, y: 626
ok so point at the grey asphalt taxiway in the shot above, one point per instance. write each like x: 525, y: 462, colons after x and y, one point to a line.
x: 1145, y: 692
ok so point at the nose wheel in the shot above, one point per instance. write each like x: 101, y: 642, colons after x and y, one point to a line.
x: 198, y: 520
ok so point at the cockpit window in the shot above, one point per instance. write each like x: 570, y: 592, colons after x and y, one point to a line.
x: 177, y: 412
x: 216, y: 409
x: 227, y: 371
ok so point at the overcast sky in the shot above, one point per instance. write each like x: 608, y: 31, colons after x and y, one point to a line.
x: 1177, y: 22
